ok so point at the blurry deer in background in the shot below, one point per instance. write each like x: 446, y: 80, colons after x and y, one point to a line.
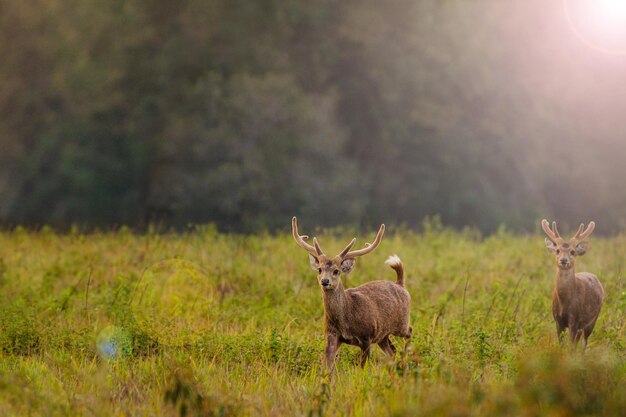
x: 363, y: 315
x: 577, y: 298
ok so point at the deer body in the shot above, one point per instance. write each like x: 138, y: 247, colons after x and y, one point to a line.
x: 366, y: 315
x: 359, y: 316
x: 577, y: 297
x: 576, y: 303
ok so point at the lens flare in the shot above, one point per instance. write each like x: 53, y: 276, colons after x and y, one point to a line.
x: 600, y: 24
x: 113, y: 343
x: 612, y: 12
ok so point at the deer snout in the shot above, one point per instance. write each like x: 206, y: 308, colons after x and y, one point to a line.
x: 325, y: 282
x: 564, y: 261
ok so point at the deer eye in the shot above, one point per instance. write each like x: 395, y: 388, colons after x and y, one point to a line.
x: 558, y: 251
x: 336, y: 272
x: 319, y: 270
x: 572, y: 252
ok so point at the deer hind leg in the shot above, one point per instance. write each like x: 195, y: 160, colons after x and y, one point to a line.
x: 387, y: 346
x: 574, y: 335
x: 365, y: 352
x: 559, y: 331
x: 409, y: 333
x: 580, y: 335
x: 586, y: 335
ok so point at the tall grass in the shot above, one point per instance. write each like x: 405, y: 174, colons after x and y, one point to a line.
x: 91, y: 325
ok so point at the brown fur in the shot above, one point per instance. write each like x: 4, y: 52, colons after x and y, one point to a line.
x: 577, y: 297
x: 576, y: 303
x: 364, y: 315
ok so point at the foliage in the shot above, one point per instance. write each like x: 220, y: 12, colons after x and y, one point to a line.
x: 242, y: 112
x: 484, y: 342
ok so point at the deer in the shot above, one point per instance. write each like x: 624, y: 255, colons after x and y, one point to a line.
x: 577, y: 297
x: 360, y: 316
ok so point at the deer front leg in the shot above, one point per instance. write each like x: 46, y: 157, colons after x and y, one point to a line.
x: 559, y: 331
x: 332, y: 345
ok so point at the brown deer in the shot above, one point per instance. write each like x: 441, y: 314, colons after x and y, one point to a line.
x: 577, y: 298
x: 363, y: 315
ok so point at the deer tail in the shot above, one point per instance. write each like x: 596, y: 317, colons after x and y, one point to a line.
x: 396, y: 264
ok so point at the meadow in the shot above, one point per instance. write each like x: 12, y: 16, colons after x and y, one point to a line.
x: 208, y: 324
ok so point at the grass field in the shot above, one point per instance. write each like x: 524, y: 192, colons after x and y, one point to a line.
x: 206, y: 324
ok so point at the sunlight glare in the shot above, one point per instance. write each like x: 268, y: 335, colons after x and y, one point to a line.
x: 612, y: 12
x: 600, y: 24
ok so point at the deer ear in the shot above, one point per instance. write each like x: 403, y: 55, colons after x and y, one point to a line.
x: 581, y: 248
x: 315, y: 263
x: 550, y: 245
x: 347, y: 264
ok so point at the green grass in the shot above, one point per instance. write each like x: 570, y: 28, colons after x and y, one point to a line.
x: 208, y: 324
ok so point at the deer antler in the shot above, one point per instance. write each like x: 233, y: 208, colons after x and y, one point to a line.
x: 300, y: 240
x: 345, y: 250
x: 552, y: 234
x: 317, y: 247
x: 367, y: 249
x: 580, y: 235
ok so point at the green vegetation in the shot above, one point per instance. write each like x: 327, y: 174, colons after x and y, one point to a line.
x: 484, y: 341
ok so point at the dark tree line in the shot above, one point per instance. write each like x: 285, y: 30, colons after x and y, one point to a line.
x: 245, y: 112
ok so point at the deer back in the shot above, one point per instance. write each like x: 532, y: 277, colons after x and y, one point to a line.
x: 377, y: 308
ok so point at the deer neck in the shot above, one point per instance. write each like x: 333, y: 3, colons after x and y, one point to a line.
x: 335, y: 306
x: 565, y: 282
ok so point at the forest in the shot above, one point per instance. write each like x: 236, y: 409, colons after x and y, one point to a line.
x: 243, y: 113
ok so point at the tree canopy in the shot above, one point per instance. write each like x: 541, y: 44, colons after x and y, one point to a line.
x: 245, y: 112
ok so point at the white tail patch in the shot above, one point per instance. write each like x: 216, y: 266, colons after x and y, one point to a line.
x: 393, y: 260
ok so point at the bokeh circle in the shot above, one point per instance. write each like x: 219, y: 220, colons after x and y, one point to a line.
x: 114, y: 343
